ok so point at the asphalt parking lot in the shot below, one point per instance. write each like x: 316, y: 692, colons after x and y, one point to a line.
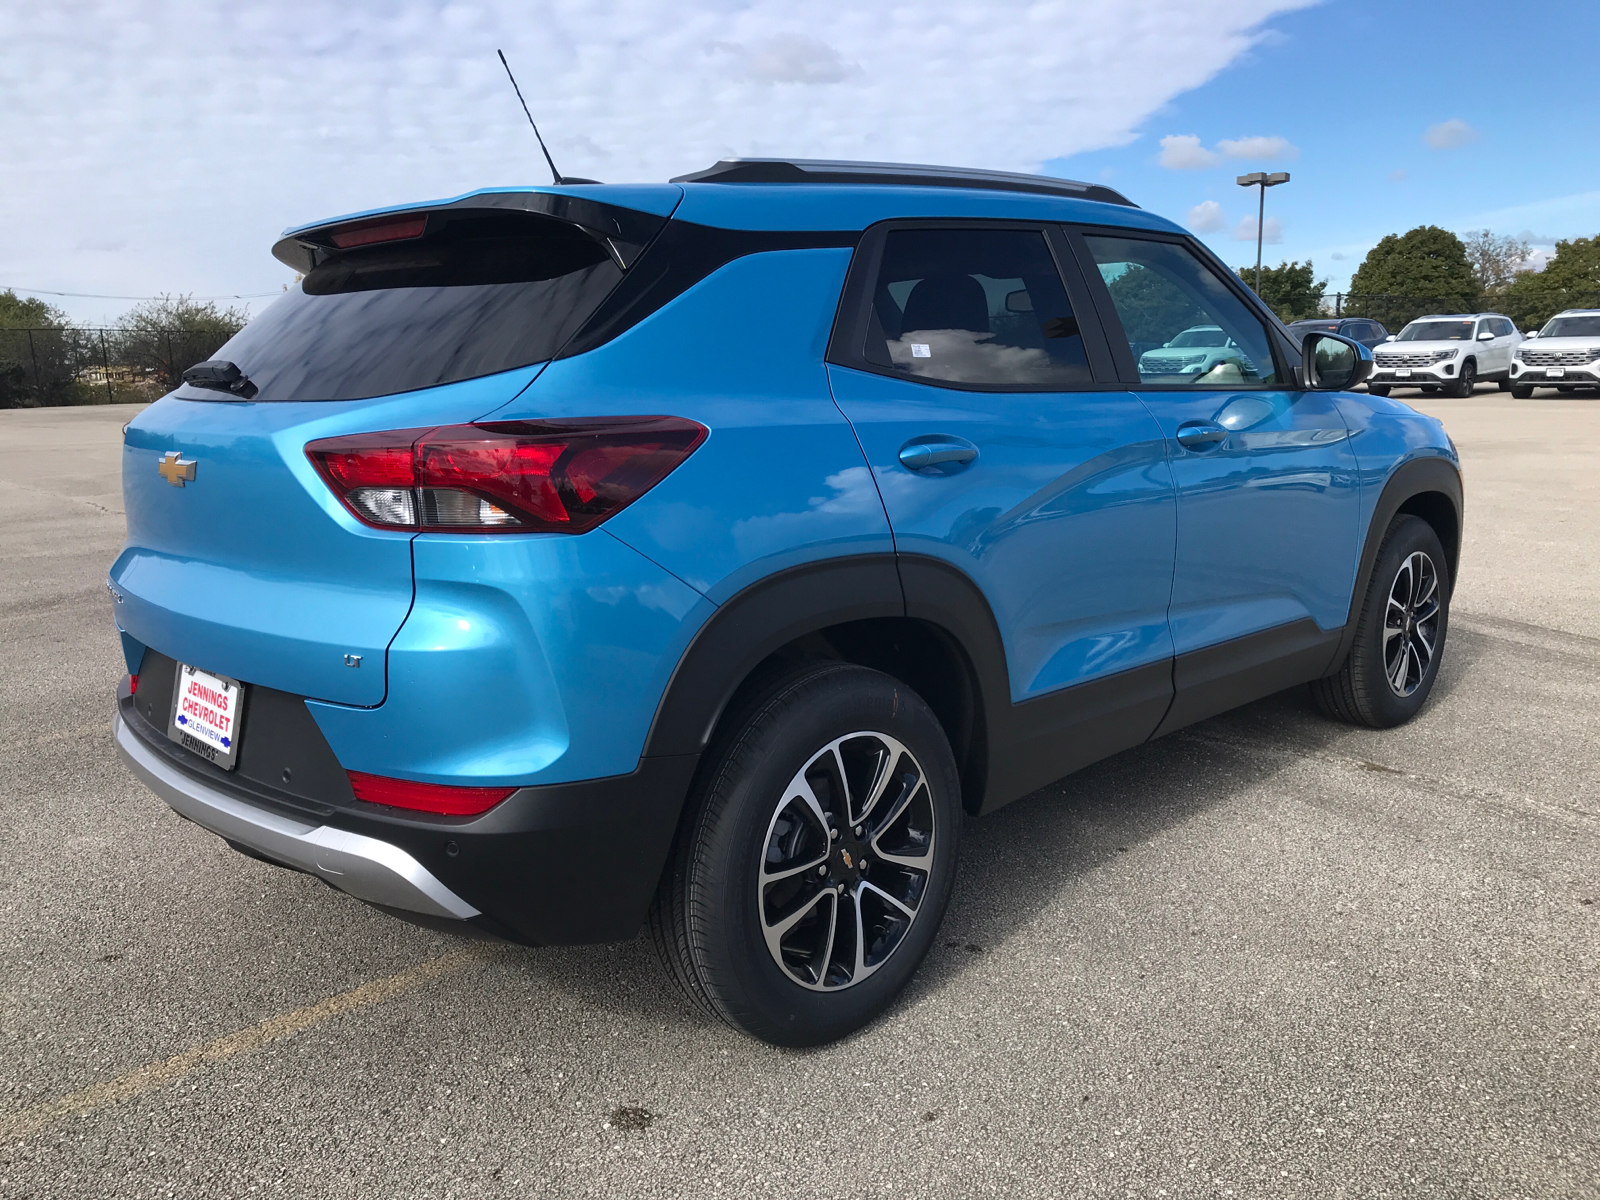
x: 1266, y: 956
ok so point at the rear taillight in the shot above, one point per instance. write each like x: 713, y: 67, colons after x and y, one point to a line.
x: 505, y: 476
x: 426, y: 797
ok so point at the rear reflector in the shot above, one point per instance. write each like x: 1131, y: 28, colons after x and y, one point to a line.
x: 504, y: 476
x: 133, y: 685
x: 368, y: 233
x: 426, y: 797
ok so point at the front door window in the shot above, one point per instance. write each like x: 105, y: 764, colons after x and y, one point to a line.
x: 1184, y: 326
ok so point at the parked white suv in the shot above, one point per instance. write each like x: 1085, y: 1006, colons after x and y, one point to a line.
x: 1446, y: 353
x: 1565, y: 354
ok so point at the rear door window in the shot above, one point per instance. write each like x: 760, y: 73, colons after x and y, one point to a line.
x: 1184, y: 326
x: 976, y: 307
x: 481, y: 291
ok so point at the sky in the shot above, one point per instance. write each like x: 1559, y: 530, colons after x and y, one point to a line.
x: 161, y: 147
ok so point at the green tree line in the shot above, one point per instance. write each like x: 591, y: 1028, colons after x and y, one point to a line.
x: 1429, y: 269
x: 47, y: 360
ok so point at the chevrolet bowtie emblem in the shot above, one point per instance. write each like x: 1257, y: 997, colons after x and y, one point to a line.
x: 175, y: 469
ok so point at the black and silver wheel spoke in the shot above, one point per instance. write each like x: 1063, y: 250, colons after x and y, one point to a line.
x: 860, y: 806
x: 1411, y: 624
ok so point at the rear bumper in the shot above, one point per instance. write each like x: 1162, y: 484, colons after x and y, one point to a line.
x: 555, y: 864
x: 365, y: 867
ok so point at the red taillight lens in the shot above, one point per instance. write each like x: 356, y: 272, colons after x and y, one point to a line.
x: 384, y: 229
x: 133, y: 685
x: 426, y: 797
x: 505, y: 476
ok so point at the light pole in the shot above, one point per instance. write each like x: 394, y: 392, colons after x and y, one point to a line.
x: 1265, y: 181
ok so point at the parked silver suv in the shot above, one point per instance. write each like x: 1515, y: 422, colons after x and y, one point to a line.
x: 1446, y: 353
x: 1565, y: 354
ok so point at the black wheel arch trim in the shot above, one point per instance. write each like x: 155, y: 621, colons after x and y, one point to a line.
x: 1405, y: 491
x: 1005, y: 749
x: 751, y: 625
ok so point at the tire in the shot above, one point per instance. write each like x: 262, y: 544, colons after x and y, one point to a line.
x: 1522, y: 391
x: 1462, y: 388
x: 1429, y: 391
x: 1503, y: 385
x: 1379, y: 389
x: 773, y: 950
x: 1393, y: 632
x: 1565, y: 389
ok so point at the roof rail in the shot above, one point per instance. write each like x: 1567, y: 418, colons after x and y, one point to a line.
x: 822, y: 170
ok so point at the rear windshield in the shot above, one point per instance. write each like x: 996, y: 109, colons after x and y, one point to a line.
x: 480, y: 292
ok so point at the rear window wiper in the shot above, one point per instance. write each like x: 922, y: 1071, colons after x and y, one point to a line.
x: 219, y: 375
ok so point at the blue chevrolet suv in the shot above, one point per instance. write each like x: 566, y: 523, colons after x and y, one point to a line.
x: 554, y: 561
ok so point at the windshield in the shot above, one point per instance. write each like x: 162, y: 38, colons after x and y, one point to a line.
x: 481, y: 292
x: 1436, y: 331
x: 1200, y: 337
x: 1586, y: 326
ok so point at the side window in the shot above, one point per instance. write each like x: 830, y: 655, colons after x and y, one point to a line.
x: 1183, y: 324
x: 974, y: 306
x: 1503, y: 327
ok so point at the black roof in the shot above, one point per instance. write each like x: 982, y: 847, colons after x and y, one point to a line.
x: 819, y: 170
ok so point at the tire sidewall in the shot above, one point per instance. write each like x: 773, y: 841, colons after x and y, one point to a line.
x: 811, y: 712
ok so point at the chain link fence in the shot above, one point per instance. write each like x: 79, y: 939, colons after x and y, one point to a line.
x: 58, y: 365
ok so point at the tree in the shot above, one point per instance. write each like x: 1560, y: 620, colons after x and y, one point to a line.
x: 1403, y: 276
x: 1571, y: 279
x: 1290, y: 289
x: 1152, y: 307
x: 18, y: 313
x: 41, y: 355
x: 169, y: 334
x: 1495, y: 261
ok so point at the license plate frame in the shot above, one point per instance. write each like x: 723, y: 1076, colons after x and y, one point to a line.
x: 211, y: 724
x: 1402, y: 372
x: 1555, y: 372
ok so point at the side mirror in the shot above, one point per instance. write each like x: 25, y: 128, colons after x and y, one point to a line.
x: 1486, y: 336
x: 1019, y: 301
x: 1330, y: 363
x: 1532, y: 333
x: 1389, y: 337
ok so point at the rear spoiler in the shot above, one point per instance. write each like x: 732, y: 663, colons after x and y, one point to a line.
x: 623, y: 232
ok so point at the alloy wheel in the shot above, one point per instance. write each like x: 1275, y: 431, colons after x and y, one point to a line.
x: 846, y: 861
x: 1411, y: 624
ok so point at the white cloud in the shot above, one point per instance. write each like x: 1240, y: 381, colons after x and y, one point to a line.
x: 1338, y: 256
x: 193, y: 131
x: 1271, y: 231
x: 1555, y: 218
x: 1447, y: 135
x: 1538, y: 258
x: 1183, y: 152
x: 1266, y: 149
x: 789, y: 58
x: 1206, y: 217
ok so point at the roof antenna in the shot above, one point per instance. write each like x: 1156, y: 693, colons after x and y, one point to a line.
x: 518, y: 90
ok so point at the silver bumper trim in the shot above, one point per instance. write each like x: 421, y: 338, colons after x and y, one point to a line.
x: 365, y: 867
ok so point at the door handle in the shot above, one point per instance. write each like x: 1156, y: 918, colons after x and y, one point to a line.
x: 937, y: 455
x: 1201, y: 435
